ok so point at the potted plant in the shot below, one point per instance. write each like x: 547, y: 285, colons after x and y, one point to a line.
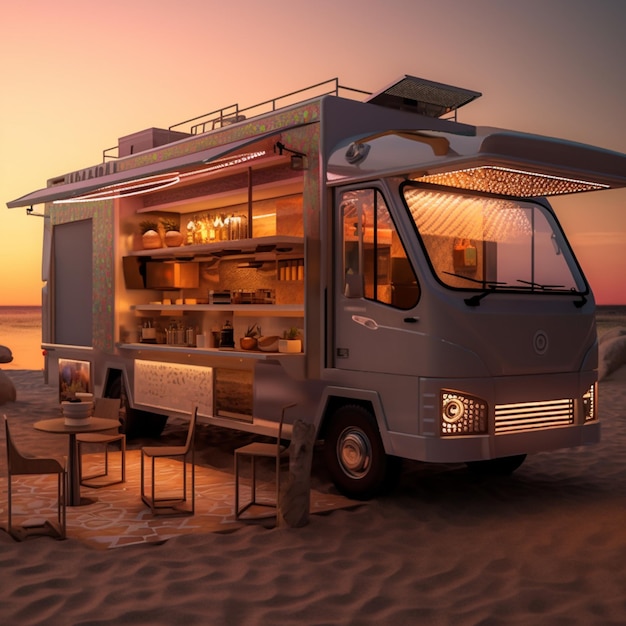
x: 250, y: 341
x: 291, y: 341
x: 173, y: 237
x: 149, y: 234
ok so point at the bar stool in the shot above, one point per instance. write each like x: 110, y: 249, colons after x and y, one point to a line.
x: 259, y: 450
x: 171, y: 506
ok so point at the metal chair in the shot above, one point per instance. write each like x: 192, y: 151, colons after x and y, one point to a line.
x: 19, y: 464
x: 109, y: 408
x: 259, y: 450
x: 169, y: 505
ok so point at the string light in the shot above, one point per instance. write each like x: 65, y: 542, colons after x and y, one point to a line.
x: 137, y: 187
x: 453, y: 215
x: 510, y: 182
x: 220, y: 164
x: 158, y: 181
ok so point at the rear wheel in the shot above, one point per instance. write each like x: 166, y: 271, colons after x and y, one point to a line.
x: 503, y: 466
x: 355, y: 455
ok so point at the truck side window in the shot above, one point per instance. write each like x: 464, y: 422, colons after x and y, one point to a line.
x: 375, y: 260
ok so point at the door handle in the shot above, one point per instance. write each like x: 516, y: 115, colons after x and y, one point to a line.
x: 365, y: 321
x: 411, y: 320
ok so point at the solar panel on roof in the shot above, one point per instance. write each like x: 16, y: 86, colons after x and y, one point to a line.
x: 423, y: 96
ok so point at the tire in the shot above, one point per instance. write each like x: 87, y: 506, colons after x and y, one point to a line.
x: 355, y: 455
x: 503, y: 466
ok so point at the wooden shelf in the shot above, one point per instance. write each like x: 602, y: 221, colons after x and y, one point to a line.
x: 235, y: 247
x: 267, y: 310
x: 294, y: 363
x: 257, y: 355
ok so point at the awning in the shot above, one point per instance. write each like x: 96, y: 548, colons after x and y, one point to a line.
x: 72, y: 190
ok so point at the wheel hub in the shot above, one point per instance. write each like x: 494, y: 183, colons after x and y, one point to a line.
x: 354, y: 452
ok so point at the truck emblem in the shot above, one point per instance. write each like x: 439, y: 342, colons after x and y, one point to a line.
x: 540, y: 342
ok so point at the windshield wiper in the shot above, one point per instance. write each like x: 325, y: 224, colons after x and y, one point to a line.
x: 533, y: 284
x: 475, y: 300
x: 485, y: 283
x: 489, y: 287
x: 577, y: 303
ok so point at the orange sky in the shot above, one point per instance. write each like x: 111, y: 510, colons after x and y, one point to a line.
x: 75, y: 78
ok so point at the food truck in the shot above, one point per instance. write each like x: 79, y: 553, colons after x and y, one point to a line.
x: 397, y: 274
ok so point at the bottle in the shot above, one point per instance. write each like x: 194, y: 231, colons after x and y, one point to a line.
x: 190, y: 337
x: 191, y: 228
x: 226, y: 336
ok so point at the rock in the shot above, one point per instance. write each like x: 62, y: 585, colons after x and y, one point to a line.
x: 613, y: 333
x: 611, y: 355
x: 7, y: 389
x: 294, y: 501
x: 6, y: 356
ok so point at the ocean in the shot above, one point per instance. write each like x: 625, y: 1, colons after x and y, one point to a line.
x: 608, y: 317
x: 20, y: 331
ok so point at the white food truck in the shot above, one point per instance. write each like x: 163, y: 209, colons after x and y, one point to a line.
x: 441, y: 313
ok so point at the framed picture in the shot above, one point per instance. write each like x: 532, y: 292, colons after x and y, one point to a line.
x: 73, y: 376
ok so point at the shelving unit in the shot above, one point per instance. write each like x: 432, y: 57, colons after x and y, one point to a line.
x: 223, y: 265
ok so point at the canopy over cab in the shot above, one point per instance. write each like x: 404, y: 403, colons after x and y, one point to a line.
x: 493, y: 161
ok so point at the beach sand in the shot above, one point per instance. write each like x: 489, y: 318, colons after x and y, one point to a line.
x: 544, y: 546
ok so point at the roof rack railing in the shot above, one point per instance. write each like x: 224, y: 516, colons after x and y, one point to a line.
x: 110, y: 153
x: 231, y: 114
x: 409, y: 93
x: 209, y: 121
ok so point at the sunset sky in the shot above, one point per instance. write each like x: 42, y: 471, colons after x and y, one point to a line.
x: 75, y: 76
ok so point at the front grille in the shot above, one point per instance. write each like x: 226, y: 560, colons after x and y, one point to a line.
x: 534, y: 415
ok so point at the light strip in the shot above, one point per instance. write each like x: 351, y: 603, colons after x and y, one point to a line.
x: 137, y: 187
x: 510, y: 181
x: 151, y: 183
x: 220, y: 164
x: 560, y: 178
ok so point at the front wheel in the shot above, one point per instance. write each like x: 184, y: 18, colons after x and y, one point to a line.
x: 355, y: 455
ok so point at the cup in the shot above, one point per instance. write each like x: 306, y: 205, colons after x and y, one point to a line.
x: 200, y: 341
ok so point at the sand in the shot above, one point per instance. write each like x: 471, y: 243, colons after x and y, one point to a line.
x: 545, y: 546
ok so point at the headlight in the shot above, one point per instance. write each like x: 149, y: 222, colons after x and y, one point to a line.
x: 462, y: 414
x: 589, y: 403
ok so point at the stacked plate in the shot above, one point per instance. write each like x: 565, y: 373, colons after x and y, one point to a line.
x: 76, y: 413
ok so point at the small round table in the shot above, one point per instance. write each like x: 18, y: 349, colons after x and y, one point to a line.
x: 58, y: 426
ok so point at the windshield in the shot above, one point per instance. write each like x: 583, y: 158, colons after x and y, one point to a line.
x: 491, y: 243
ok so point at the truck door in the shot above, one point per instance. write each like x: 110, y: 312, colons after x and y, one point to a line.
x: 376, y: 288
